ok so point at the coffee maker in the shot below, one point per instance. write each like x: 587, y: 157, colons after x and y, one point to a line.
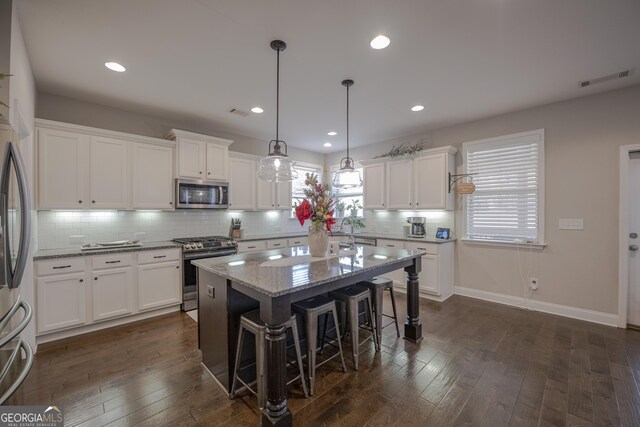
x: 418, y: 227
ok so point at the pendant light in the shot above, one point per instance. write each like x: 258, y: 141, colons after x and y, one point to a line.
x: 277, y: 166
x: 347, y: 177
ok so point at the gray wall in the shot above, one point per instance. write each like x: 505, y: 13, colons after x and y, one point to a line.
x: 69, y: 110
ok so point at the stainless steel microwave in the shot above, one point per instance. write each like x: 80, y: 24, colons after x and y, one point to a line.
x: 194, y: 194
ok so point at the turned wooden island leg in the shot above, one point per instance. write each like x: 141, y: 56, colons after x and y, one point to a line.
x: 413, y: 326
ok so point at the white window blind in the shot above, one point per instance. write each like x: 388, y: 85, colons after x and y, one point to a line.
x: 509, y: 179
x: 298, y: 186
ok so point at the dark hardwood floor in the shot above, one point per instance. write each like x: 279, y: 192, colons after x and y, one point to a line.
x: 479, y: 364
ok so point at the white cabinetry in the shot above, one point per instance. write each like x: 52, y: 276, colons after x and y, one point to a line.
x: 431, y: 180
x: 252, y: 246
x: 87, y: 168
x: 152, y: 177
x: 374, y: 186
x: 90, y: 292
x: 418, y: 183
x: 272, y: 195
x: 158, y: 285
x: 61, y: 169
x: 109, y: 173
x: 200, y: 156
x: 399, y: 184
x: 242, y: 183
x: 398, y: 276
x: 436, y: 276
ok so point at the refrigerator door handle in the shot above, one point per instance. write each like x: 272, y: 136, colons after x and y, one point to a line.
x: 12, y: 156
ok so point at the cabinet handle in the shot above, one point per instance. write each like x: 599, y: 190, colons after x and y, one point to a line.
x: 272, y: 205
x: 276, y: 244
x: 79, y: 201
x: 61, y: 266
x: 208, y: 173
x: 422, y: 249
x: 251, y: 247
x: 112, y: 262
x: 81, y: 280
x: 160, y: 256
x: 171, y: 203
x: 200, y: 172
x: 95, y: 278
x: 93, y: 201
x: 177, y: 266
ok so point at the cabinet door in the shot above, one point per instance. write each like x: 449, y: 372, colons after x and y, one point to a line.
x: 374, y: 186
x: 159, y: 285
x: 191, y: 158
x: 429, y: 275
x: 61, y: 301
x: 283, y: 196
x: 61, y: 167
x: 431, y: 181
x: 109, y: 174
x: 242, y: 183
x: 266, y: 194
x: 113, y: 293
x: 216, y: 162
x: 399, y: 186
x: 152, y: 177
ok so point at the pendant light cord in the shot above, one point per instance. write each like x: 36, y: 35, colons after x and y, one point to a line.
x: 278, y: 97
x: 347, y: 122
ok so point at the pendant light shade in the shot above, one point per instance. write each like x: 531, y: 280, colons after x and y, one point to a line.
x: 347, y: 177
x: 277, y: 166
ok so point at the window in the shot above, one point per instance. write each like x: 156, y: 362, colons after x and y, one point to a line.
x: 507, y: 205
x: 298, y: 186
x: 347, y: 197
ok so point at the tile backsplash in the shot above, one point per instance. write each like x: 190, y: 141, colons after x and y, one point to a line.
x: 66, y: 229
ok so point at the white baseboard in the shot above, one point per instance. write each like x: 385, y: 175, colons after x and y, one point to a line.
x: 545, y: 307
x: 54, y: 336
x: 402, y: 288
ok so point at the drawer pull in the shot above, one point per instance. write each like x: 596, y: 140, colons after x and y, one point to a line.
x: 422, y: 249
x: 61, y: 266
x: 251, y: 247
x: 276, y: 244
x: 112, y: 262
x: 81, y: 280
x: 160, y: 256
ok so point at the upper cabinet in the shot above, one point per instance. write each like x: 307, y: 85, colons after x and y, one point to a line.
x: 242, y: 182
x: 62, y: 162
x: 421, y: 182
x: 200, y: 156
x: 88, y: 168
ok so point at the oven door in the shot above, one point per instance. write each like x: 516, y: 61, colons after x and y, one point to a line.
x: 190, y: 280
x: 200, y: 195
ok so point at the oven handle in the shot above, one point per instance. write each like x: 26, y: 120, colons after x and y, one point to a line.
x: 209, y: 254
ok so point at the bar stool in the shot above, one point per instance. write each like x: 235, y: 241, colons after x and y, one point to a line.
x: 350, y: 297
x: 377, y: 286
x: 251, y: 322
x: 311, y: 309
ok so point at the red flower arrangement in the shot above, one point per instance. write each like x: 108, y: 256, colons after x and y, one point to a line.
x: 318, y: 205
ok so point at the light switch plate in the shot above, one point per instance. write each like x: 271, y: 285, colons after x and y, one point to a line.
x: 571, y: 224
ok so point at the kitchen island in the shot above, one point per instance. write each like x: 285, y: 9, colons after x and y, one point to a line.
x: 273, y: 280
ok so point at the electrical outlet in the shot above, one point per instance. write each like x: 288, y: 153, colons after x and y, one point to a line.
x: 533, y: 283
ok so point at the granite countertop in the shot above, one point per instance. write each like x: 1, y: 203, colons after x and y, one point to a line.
x: 73, y: 252
x: 402, y: 237
x: 250, y: 269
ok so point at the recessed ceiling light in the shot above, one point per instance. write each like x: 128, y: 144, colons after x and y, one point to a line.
x: 257, y: 110
x: 327, y: 144
x: 332, y: 133
x: 380, y: 42
x: 417, y: 108
x: 114, y: 66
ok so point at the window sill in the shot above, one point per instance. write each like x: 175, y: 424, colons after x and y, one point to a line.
x: 504, y: 244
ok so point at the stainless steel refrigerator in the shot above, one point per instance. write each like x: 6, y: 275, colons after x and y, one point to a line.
x: 16, y: 356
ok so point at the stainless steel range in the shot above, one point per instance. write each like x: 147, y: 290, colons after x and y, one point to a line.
x: 198, y: 248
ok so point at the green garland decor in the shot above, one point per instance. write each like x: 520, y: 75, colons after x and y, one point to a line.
x: 402, y: 150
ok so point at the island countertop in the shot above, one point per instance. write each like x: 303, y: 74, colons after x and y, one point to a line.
x: 283, y: 271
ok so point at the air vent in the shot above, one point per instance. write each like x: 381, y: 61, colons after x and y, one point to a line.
x: 606, y: 78
x: 239, y: 112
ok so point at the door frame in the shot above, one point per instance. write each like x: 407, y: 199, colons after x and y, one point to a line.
x: 623, y: 239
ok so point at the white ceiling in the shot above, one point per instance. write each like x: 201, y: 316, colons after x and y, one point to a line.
x: 462, y: 60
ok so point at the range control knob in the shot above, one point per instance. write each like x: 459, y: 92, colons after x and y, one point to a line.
x: 199, y: 245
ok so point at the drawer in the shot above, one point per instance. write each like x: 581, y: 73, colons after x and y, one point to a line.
x: 259, y: 245
x: 163, y: 255
x: 299, y: 241
x: 430, y: 248
x: 396, y: 244
x: 111, y: 261
x: 277, y: 244
x: 59, y: 266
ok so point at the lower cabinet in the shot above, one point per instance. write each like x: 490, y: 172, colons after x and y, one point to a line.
x: 80, y: 291
x: 112, y: 293
x: 157, y: 285
x: 61, y: 301
x: 436, y: 276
